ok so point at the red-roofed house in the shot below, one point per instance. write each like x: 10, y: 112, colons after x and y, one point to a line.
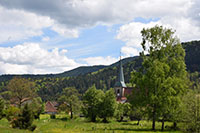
x: 51, y: 107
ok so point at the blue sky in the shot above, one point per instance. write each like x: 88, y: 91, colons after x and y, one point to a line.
x: 61, y: 35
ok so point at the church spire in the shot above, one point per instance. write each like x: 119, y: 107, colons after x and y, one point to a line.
x: 120, y: 82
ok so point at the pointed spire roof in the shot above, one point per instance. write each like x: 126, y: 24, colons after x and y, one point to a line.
x: 120, y: 82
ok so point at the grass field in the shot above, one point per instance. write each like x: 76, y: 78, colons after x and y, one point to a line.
x: 63, y: 125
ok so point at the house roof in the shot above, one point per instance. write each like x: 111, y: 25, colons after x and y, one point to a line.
x: 49, y: 107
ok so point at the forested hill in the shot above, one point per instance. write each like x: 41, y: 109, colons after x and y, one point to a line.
x: 104, y: 77
x: 192, y: 58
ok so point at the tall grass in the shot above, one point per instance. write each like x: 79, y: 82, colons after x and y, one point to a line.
x: 62, y: 124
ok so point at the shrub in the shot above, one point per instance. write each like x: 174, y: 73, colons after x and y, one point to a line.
x: 12, y: 112
x: 24, y: 119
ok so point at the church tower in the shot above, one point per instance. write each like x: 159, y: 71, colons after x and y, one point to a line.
x: 120, y: 84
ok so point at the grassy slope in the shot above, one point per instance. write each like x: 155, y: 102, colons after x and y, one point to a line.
x: 60, y: 125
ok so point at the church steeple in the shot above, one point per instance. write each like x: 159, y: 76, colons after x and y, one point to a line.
x: 120, y: 82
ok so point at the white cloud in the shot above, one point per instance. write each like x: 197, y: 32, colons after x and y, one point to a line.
x: 130, y: 33
x: 31, y: 58
x: 67, y: 17
x: 19, y: 25
x: 100, y: 60
x: 84, y: 13
x: 129, y: 51
x: 66, y: 32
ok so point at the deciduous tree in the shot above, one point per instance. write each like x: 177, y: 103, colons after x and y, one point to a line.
x: 92, y: 101
x: 108, y: 106
x: 21, y: 90
x: 162, y: 77
x: 69, y: 100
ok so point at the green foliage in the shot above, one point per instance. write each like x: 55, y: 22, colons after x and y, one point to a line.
x: 2, y: 104
x: 92, y: 101
x: 24, y: 120
x: 69, y: 101
x: 136, y: 114
x: 37, y: 107
x: 123, y: 109
x: 162, y: 77
x: 108, y: 105
x: 21, y: 90
x: 191, y: 111
x: 12, y: 112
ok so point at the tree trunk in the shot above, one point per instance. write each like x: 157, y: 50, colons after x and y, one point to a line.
x: 121, y: 118
x: 93, y: 118
x: 71, y: 113
x: 175, y: 125
x: 154, y: 117
x: 20, y: 103
x: 105, y: 120
x: 138, y: 122
x: 163, y: 124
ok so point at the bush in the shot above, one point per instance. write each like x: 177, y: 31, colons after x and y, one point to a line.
x: 11, y: 113
x: 24, y: 120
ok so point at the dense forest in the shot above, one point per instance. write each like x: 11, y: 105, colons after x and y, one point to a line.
x: 50, y: 86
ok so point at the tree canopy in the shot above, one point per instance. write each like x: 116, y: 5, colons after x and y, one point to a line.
x: 21, y: 90
x: 162, y: 77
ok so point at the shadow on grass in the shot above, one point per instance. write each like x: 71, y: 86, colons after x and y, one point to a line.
x: 139, y: 130
x: 63, y: 119
x: 132, y: 124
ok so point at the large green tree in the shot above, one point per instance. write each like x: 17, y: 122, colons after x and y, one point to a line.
x: 37, y: 107
x: 108, y: 106
x: 69, y: 100
x: 92, y: 101
x: 21, y: 90
x: 162, y: 78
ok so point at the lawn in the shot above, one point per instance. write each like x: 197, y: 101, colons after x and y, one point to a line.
x: 63, y: 125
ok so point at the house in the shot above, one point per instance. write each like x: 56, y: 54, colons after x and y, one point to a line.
x: 121, y: 90
x: 51, y: 107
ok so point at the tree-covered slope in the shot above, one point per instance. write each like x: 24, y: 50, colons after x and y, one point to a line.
x: 50, y: 86
x: 192, y: 58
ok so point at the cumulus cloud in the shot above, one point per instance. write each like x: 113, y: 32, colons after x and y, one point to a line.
x: 31, y: 58
x: 19, y: 25
x: 185, y: 29
x: 67, y: 17
x: 83, y: 13
x: 100, y: 60
x: 22, y: 19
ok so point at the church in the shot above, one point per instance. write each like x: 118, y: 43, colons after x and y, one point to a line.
x: 121, y: 90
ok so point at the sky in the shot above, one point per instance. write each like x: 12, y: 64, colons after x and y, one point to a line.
x: 53, y: 36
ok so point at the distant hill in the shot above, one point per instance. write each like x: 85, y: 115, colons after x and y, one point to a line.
x: 80, y: 71
x: 50, y: 86
x: 192, y: 58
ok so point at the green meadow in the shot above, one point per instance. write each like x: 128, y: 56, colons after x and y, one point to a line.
x: 63, y: 124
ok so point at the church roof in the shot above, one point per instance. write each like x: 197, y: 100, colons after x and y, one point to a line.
x: 120, y: 82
